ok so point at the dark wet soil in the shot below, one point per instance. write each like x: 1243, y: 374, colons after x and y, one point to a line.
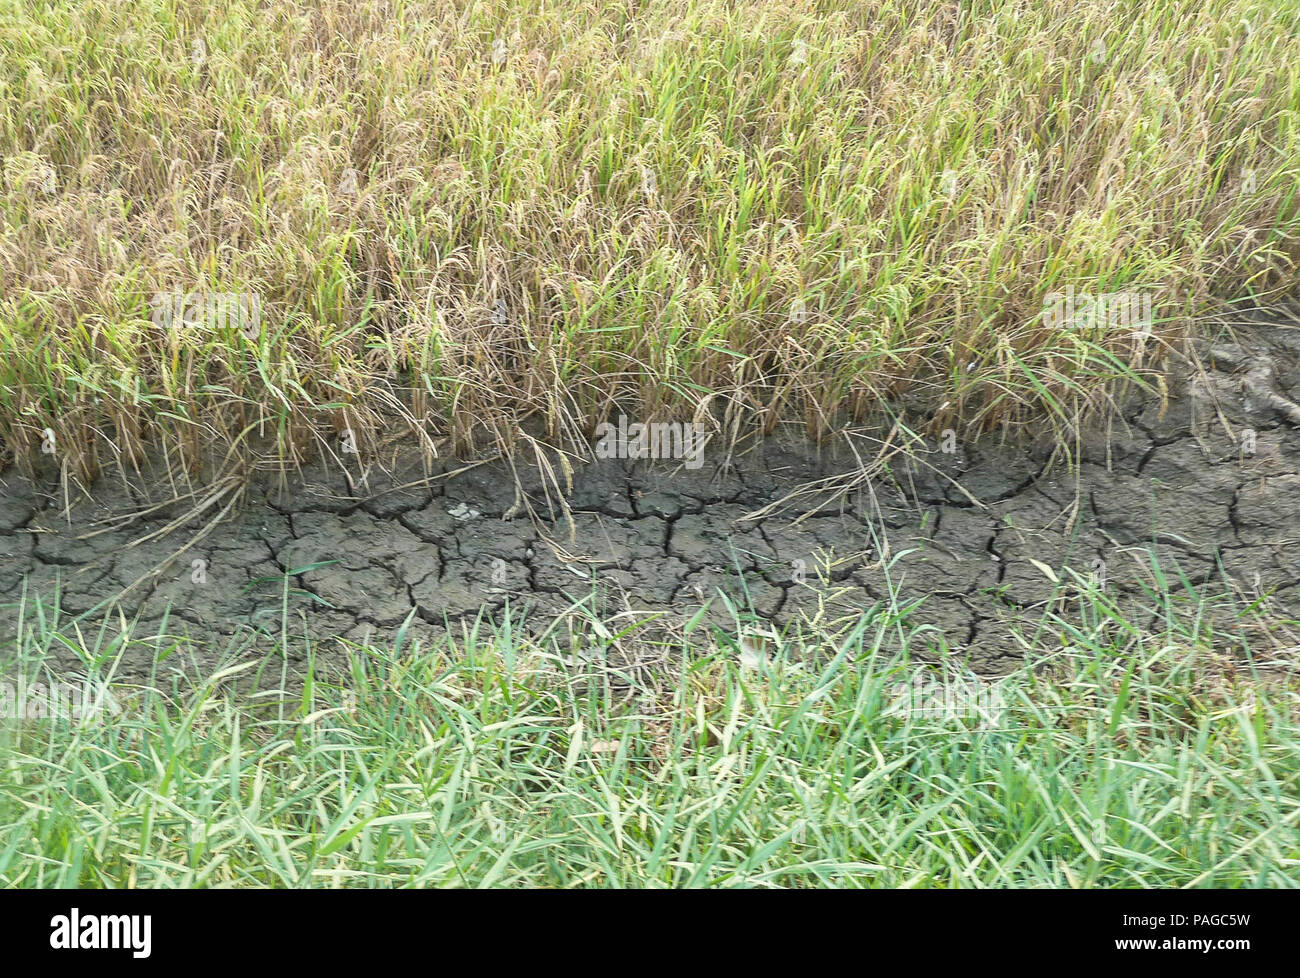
x: 1207, y: 481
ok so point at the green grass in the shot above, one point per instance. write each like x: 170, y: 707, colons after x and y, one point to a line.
x: 1125, y: 758
x: 650, y: 192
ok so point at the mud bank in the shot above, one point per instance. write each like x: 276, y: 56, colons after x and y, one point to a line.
x: 1204, y: 486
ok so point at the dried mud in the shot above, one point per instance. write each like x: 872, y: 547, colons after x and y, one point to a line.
x: 357, y: 554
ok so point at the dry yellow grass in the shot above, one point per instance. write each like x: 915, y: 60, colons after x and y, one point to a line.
x: 459, y: 216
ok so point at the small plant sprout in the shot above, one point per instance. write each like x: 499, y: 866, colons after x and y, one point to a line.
x: 704, y: 586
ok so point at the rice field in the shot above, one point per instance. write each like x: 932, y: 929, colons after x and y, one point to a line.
x: 462, y: 223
